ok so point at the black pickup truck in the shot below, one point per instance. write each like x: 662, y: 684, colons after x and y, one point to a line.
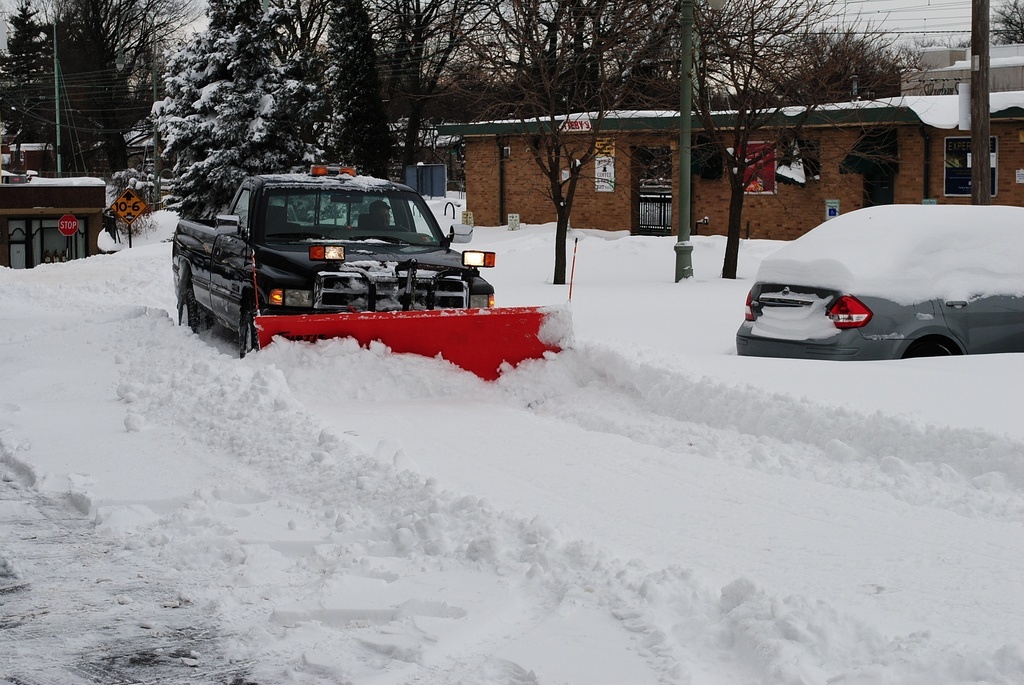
x: 321, y: 243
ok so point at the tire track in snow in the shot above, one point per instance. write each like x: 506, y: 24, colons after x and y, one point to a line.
x: 360, y: 516
x: 759, y: 636
x: 69, y: 613
x: 969, y: 472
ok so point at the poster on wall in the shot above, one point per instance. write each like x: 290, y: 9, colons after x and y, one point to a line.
x: 604, y: 166
x: 957, y: 166
x: 759, y: 177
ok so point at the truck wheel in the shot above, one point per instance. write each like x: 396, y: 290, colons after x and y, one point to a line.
x: 188, y: 310
x: 248, y: 338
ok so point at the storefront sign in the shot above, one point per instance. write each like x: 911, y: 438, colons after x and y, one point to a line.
x: 577, y: 124
x: 759, y: 177
x: 604, y: 166
x: 958, y: 162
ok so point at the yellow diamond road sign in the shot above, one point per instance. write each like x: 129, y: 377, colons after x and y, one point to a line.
x: 129, y: 206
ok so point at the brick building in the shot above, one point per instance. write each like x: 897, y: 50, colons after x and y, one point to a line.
x: 904, y: 151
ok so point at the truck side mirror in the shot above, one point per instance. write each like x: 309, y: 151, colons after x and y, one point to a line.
x: 460, y: 233
x: 228, y: 223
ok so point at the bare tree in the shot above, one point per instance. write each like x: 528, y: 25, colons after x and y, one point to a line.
x: 303, y: 29
x: 420, y: 41
x: 769, y: 65
x: 109, y: 52
x: 845, y: 63
x: 547, y: 59
x: 1008, y: 23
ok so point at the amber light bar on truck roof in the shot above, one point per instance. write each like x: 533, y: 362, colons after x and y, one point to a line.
x: 325, y: 169
x: 477, y: 258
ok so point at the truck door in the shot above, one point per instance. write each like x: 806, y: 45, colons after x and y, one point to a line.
x: 231, y: 264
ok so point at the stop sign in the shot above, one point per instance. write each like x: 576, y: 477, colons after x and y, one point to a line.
x: 68, y: 225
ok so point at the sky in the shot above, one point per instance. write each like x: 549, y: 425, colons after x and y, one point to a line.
x: 934, y: 20
x: 644, y: 507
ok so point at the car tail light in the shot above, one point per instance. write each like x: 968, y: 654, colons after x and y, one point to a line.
x: 748, y: 311
x: 849, y: 312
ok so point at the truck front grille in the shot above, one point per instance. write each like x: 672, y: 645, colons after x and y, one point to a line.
x: 365, y: 292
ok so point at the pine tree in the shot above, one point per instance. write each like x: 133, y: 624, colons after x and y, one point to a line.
x: 358, y: 133
x: 22, y: 69
x: 304, y: 74
x: 228, y: 112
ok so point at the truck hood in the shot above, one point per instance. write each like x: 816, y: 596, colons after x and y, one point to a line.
x: 368, y: 256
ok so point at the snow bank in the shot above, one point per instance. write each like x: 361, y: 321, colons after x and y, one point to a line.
x: 644, y: 507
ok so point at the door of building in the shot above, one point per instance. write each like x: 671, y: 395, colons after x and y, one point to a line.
x: 652, y: 174
x: 17, y: 242
x: 879, y: 188
x: 655, y: 212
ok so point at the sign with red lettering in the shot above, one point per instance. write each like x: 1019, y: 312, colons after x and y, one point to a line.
x: 578, y: 125
x: 68, y: 225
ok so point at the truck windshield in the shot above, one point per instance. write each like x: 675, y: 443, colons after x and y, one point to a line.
x: 299, y: 214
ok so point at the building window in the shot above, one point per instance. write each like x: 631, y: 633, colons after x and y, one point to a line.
x: 706, y: 159
x: 799, y: 161
x: 32, y: 242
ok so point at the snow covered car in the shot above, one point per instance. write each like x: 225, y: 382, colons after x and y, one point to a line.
x: 892, y: 282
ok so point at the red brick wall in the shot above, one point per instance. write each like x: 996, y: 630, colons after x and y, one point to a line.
x: 527, y: 193
x: 792, y: 210
x: 787, y: 214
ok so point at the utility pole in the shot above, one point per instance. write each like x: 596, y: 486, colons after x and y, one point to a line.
x: 683, y: 247
x: 981, y: 168
x: 56, y: 97
x: 156, y: 129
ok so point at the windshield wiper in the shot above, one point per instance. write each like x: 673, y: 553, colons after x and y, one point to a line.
x: 296, y: 235
x: 383, y: 238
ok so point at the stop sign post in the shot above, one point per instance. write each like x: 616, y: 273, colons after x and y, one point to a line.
x: 68, y: 225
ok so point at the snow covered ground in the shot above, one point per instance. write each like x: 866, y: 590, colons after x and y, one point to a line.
x: 644, y: 508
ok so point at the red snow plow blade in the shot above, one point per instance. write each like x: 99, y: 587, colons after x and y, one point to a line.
x: 477, y: 340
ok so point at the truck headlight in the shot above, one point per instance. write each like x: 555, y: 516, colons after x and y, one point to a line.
x: 481, y: 301
x: 477, y: 258
x: 332, y: 253
x: 291, y: 298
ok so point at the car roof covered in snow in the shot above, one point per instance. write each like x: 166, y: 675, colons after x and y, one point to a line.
x: 908, y: 253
